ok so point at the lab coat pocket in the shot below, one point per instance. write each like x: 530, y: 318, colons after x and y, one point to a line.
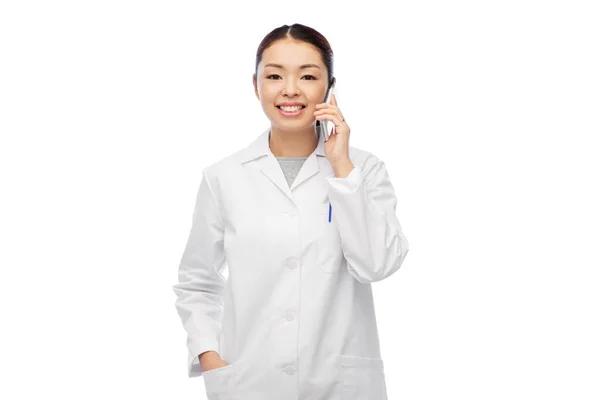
x: 219, y: 382
x: 329, y: 245
x: 362, y: 378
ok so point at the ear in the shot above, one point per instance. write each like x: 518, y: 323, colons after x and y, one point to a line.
x: 255, y: 87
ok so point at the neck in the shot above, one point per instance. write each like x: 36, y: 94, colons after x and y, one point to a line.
x: 293, y: 143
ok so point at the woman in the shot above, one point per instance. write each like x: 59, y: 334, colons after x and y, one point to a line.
x: 305, y: 226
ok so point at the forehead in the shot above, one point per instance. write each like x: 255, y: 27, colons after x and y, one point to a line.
x: 291, y: 54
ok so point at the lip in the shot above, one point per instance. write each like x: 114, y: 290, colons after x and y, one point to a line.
x: 290, y: 114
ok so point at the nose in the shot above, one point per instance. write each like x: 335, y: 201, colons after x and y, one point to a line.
x: 290, y: 88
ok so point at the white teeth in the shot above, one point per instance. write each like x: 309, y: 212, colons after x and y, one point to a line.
x: 290, y: 109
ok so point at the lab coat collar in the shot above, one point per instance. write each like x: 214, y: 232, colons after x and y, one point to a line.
x: 260, y: 147
x: 260, y: 152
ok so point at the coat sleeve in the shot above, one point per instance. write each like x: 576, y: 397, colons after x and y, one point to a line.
x: 364, y: 209
x: 201, y: 285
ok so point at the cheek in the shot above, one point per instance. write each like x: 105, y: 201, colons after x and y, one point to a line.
x: 317, y: 97
x: 313, y: 101
x: 268, y: 94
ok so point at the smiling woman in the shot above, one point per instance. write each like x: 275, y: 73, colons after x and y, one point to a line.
x: 305, y: 226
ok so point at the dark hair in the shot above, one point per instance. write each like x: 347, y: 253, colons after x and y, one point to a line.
x: 305, y: 34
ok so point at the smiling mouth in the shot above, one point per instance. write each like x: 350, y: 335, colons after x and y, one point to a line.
x: 301, y: 107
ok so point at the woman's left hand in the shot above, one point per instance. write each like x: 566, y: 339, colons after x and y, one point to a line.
x: 337, y: 146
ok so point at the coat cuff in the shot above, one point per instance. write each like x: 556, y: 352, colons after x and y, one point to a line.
x: 349, y: 184
x: 196, y: 348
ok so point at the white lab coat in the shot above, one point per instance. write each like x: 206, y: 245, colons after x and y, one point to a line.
x: 295, y: 318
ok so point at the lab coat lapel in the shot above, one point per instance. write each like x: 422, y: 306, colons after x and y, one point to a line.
x: 315, y: 164
x: 272, y: 170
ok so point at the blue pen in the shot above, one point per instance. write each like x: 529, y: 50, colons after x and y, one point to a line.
x: 329, y: 212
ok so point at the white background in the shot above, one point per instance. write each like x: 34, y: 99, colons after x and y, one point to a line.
x: 485, y: 113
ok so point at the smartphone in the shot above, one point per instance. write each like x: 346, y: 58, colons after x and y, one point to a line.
x: 325, y: 126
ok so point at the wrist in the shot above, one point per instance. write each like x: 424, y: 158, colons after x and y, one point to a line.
x: 208, y: 357
x: 342, y: 168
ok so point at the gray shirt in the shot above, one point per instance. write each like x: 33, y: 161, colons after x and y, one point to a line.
x: 291, y: 166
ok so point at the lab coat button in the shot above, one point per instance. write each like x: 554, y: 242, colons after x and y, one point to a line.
x: 291, y: 264
x: 289, y: 315
x: 292, y: 214
x: 289, y: 370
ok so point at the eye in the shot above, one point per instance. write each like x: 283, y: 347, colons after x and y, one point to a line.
x: 310, y: 76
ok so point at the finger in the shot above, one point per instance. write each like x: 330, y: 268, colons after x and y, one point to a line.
x: 324, y: 105
x: 333, y: 118
x: 330, y: 111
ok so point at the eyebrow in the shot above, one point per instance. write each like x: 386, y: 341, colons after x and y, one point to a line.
x: 303, y: 66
